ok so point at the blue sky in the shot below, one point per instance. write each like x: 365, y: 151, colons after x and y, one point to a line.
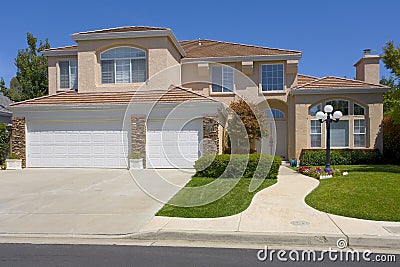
x: 331, y: 34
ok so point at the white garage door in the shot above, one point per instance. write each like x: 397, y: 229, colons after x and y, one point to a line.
x: 50, y: 145
x: 170, y: 148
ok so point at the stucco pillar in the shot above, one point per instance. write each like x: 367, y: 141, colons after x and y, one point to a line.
x: 18, y: 139
x: 210, y: 135
x: 139, y: 136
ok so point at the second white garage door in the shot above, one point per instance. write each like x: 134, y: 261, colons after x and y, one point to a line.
x: 169, y: 148
x: 51, y: 145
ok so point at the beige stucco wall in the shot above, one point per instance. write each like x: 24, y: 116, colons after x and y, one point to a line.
x: 161, y: 56
x: 53, y: 74
x: 247, y: 86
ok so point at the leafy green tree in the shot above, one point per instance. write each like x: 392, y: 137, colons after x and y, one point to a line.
x: 32, y: 69
x: 14, y: 92
x: 391, y: 102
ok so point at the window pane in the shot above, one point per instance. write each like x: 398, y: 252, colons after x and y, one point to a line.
x: 315, y: 109
x: 227, y: 79
x: 340, y: 134
x: 342, y: 105
x: 123, y: 71
x: 274, y: 113
x: 272, y: 77
x: 358, y: 110
x: 315, y: 140
x: 73, y: 68
x: 107, y: 71
x: 64, y: 74
x: 315, y: 133
x: 138, y: 70
x: 216, y: 77
x: 122, y: 52
x: 359, y: 140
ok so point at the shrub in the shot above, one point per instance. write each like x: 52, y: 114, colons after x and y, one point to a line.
x: 342, y: 157
x: 4, y: 141
x: 232, y: 166
x: 391, y: 141
x: 135, y: 155
x: 14, y: 156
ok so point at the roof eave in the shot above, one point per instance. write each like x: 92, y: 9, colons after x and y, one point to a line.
x: 130, y: 34
x: 52, y: 53
x: 244, y: 58
x: 324, y: 91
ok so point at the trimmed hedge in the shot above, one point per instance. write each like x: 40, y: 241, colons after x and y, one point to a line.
x: 217, y: 166
x: 342, y: 157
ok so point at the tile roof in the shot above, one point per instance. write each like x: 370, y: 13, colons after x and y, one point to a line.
x: 331, y: 82
x: 174, y: 94
x: 126, y: 29
x: 64, y: 48
x: 4, y: 102
x: 210, y: 48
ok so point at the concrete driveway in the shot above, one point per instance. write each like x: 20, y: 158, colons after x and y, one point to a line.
x: 82, y: 201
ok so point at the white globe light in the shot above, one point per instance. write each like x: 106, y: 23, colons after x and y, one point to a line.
x: 320, y: 115
x: 325, y: 116
x: 337, y: 115
x: 328, y: 108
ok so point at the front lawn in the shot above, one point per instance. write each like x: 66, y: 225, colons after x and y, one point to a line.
x: 369, y: 192
x: 234, y: 202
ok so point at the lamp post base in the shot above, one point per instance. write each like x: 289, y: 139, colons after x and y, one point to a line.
x: 328, y: 169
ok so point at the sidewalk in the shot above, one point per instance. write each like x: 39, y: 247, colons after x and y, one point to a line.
x: 278, y: 215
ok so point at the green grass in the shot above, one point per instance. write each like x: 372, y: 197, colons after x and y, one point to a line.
x: 369, y: 192
x: 234, y: 202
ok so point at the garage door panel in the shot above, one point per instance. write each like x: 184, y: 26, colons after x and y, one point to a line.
x: 56, y: 146
x: 174, y: 147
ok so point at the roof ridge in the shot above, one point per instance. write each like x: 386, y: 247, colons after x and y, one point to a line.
x: 306, y: 84
x: 354, y: 80
x: 121, y: 27
x: 191, y: 91
x: 41, y: 97
x: 60, y: 47
x: 247, y: 45
x: 308, y: 76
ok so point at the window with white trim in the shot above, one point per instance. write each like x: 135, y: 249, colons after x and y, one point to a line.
x: 338, y: 104
x: 359, y: 133
x: 272, y: 77
x: 68, y: 74
x: 222, y: 79
x: 315, y: 133
x: 123, y: 65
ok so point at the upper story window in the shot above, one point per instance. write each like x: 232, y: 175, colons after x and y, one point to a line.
x: 222, y: 79
x: 123, y: 65
x: 358, y: 110
x: 274, y: 114
x: 68, y: 74
x: 272, y: 78
x: 342, y: 105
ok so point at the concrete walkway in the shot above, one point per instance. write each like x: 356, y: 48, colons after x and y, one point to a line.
x: 279, y: 214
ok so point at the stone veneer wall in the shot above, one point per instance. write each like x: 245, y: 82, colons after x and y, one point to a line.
x: 139, y: 136
x: 18, y: 140
x: 210, y: 135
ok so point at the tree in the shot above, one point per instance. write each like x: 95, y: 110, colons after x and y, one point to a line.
x: 14, y: 92
x: 4, y: 141
x: 32, y: 69
x: 391, y: 58
x: 245, y: 123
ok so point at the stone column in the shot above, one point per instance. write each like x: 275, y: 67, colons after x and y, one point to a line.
x: 139, y: 136
x: 210, y: 135
x: 18, y: 140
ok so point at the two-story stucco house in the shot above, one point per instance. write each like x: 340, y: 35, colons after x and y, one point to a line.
x: 140, y: 89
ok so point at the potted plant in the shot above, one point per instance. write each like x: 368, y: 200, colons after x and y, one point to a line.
x: 135, y: 161
x: 14, y: 162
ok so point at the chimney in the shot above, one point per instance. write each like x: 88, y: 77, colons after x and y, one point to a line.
x: 367, y: 68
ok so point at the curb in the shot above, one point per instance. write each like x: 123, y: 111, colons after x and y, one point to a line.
x: 243, y: 237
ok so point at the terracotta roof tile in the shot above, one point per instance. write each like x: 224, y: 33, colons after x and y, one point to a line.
x: 126, y: 29
x: 210, y: 48
x: 331, y: 82
x: 304, y: 79
x: 174, y: 94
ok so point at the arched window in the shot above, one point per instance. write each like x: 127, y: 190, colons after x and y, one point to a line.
x: 123, y: 65
x: 274, y: 114
x: 341, y: 131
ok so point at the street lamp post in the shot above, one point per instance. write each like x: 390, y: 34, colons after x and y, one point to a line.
x: 328, y: 116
